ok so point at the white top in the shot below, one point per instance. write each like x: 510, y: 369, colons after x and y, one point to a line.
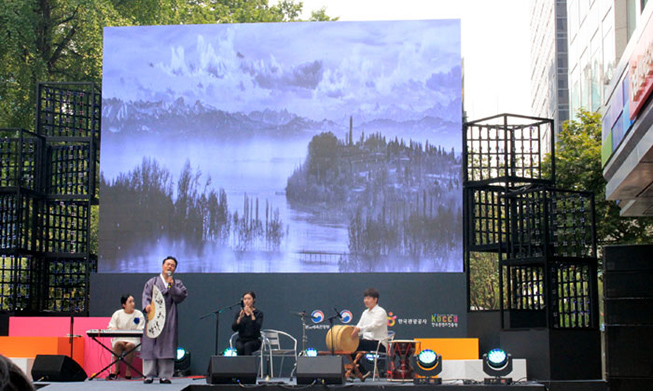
x: 120, y: 320
x: 374, y: 324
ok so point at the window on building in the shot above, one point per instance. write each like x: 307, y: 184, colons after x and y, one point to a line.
x: 631, y: 17
x: 608, y: 52
x: 572, y: 8
x: 596, y: 77
x: 575, y: 98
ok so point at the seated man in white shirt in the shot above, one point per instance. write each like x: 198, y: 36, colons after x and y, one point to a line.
x: 372, y: 326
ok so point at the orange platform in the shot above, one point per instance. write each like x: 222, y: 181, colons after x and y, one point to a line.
x: 452, y: 348
x: 31, y: 346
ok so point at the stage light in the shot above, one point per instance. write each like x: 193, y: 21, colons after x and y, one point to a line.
x: 310, y: 352
x: 497, y: 363
x: 182, y: 363
x: 427, y: 358
x: 427, y: 364
x: 181, y: 353
x: 369, y: 357
x: 230, y: 352
x: 497, y: 358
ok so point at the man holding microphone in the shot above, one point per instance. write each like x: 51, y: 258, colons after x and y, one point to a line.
x: 158, y: 353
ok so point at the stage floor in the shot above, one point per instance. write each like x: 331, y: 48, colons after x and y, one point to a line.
x: 190, y: 384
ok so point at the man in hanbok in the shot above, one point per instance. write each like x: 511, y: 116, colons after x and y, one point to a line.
x: 158, y: 353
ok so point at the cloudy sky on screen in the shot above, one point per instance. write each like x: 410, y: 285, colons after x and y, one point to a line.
x: 312, y: 69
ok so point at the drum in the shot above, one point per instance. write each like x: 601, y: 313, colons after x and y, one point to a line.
x: 339, y: 339
x: 399, y: 354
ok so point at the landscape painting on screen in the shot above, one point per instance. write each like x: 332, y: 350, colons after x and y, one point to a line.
x: 317, y: 147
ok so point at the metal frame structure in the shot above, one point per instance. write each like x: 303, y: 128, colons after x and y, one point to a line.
x: 543, y: 238
x: 48, y: 186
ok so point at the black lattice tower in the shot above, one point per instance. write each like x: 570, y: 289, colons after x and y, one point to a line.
x: 543, y: 237
x: 21, y: 164
x: 48, y: 186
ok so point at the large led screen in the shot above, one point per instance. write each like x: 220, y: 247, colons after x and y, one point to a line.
x: 328, y: 147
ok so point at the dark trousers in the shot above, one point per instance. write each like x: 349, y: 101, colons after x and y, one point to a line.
x: 369, y: 345
x: 246, y: 348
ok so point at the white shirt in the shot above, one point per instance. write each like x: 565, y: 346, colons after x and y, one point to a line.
x: 374, y: 324
x: 120, y: 320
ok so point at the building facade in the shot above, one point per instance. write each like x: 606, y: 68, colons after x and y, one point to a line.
x: 592, y: 51
x: 627, y: 146
x: 549, y: 69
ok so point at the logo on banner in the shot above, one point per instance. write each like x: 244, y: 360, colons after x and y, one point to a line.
x: 346, y: 316
x: 407, y: 321
x: 317, y: 316
x: 444, y: 320
x: 392, y: 319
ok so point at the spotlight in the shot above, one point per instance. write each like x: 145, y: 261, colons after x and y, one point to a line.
x: 182, y: 363
x: 369, y: 357
x: 181, y: 354
x: 310, y: 352
x: 497, y: 363
x: 230, y: 352
x: 427, y: 364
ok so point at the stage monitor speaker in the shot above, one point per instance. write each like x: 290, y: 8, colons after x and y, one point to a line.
x: 321, y: 369
x: 56, y: 368
x: 236, y: 370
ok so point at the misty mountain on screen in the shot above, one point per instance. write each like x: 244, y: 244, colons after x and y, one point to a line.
x: 126, y: 119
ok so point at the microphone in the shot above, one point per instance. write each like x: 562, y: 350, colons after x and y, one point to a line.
x: 242, y: 303
x: 169, y: 273
x: 337, y: 312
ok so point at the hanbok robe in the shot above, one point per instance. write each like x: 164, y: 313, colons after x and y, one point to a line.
x: 165, y: 345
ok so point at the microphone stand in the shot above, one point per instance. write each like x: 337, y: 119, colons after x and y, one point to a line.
x: 217, y: 321
x: 331, y: 318
x: 304, y: 337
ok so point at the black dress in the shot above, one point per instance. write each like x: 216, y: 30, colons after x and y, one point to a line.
x: 249, y: 333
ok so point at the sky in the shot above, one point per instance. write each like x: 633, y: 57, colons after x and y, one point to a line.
x: 495, y: 44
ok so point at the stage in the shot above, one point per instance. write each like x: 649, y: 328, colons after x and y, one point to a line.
x: 284, y: 384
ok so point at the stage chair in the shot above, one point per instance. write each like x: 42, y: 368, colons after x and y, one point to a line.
x: 379, y: 354
x: 259, y: 353
x: 279, y: 344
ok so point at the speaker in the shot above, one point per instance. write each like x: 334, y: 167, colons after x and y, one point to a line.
x: 628, y: 351
x: 631, y: 311
x: 227, y: 370
x: 628, y: 284
x: 629, y: 384
x: 321, y: 369
x: 628, y: 301
x: 54, y: 368
x: 628, y: 257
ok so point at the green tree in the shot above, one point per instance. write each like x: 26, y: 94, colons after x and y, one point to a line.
x: 483, y: 281
x: 578, y: 167
x: 61, y: 40
x: 47, y: 40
